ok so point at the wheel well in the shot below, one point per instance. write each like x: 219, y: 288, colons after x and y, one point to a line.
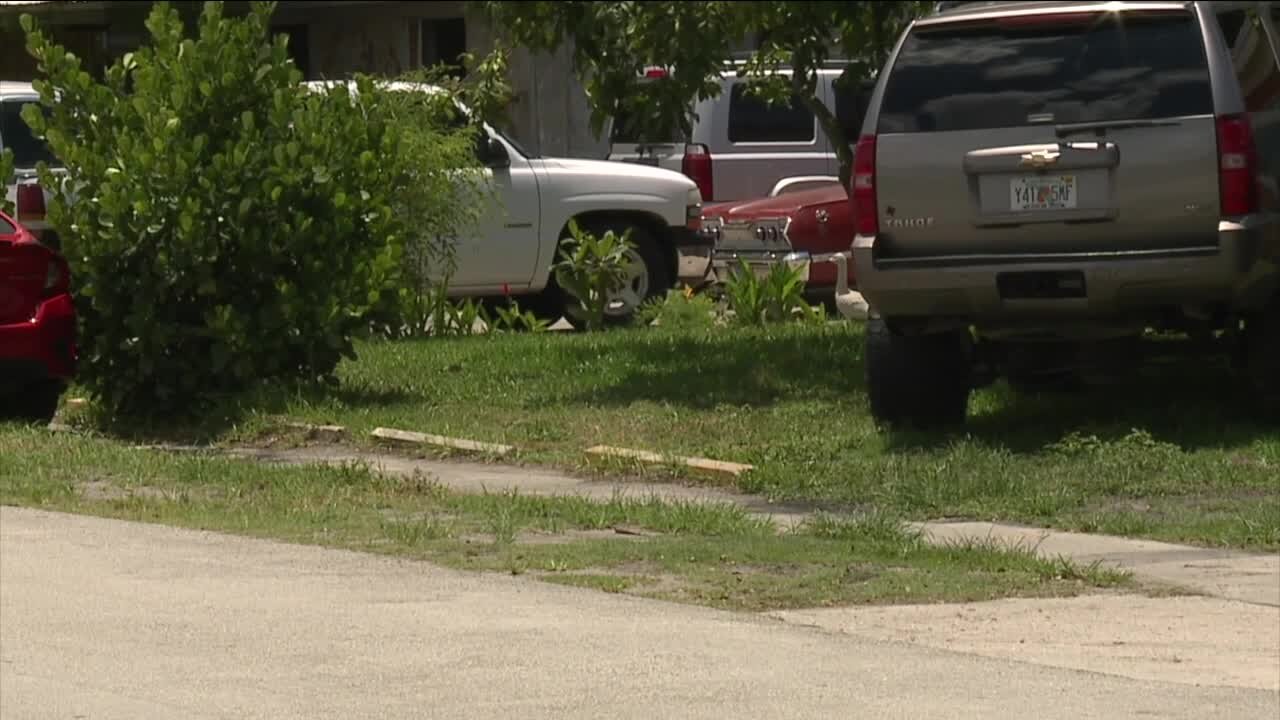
x: 655, y: 226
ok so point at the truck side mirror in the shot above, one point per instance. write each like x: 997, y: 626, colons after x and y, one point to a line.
x: 493, y: 154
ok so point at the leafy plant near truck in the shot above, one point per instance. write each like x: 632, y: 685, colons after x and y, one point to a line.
x: 591, y: 267
x: 776, y: 297
x: 229, y: 227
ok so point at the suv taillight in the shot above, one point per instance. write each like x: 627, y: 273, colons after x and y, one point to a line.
x: 1237, y: 166
x: 866, y: 219
x: 30, y: 203
x: 697, y: 167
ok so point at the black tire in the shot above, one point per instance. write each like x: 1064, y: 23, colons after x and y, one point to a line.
x: 1053, y: 383
x: 36, y: 403
x: 656, y: 269
x: 918, y: 381
x: 1263, y: 359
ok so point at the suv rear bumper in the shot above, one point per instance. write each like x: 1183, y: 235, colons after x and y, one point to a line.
x: 1242, y: 272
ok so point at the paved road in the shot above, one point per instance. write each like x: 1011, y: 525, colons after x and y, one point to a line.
x: 105, y: 619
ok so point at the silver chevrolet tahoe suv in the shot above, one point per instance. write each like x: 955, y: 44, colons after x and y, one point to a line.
x: 1036, y: 182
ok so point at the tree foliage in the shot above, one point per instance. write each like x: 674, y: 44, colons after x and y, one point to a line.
x: 613, y: 43
x: 225, y: 225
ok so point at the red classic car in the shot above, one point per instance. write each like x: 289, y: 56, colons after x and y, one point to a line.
x: 765, y: 231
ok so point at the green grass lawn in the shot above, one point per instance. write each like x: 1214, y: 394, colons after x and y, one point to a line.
x: 1169, y: 454
x: 705, y: 554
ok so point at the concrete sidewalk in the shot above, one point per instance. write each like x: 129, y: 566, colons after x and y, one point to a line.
x: 1231, y: 575
x: 108, y: 619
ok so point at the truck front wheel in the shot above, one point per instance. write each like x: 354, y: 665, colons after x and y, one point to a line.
x: 919, y: 381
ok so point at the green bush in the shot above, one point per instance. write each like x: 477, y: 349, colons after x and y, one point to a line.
x: 514, y: 319
x: 590, y: 269
x: 680, y: 310
x: 227, y: 226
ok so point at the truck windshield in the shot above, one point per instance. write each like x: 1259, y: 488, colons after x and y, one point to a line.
x: 1091, y: 67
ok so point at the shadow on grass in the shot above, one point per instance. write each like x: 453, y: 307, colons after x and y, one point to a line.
x: 739, y: 368
x: 229, y: 412
x: 1188, y: 403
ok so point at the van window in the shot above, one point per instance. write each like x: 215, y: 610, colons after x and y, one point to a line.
x: 1252, y: 58
x: 1114, y: 66
x: 752, y: 120
x: 16, y: 136
x: 7, y: 228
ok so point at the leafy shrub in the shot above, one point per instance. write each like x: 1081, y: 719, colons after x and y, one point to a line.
x: 777, y: 297
x: 591, y: 268
x: 680, y: 310
x: 513, y: 319
x: 226, y: 225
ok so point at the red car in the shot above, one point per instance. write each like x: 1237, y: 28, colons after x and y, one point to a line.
x: 764, y: 231
x: 37, y: 324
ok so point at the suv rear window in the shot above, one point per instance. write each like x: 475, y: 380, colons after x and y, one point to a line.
x: 16, y: 136
x: 1112, y: 66
x: 754, y: 120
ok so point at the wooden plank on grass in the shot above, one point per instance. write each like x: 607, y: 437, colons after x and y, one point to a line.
x: 441, y: 441
x: 717, y: 467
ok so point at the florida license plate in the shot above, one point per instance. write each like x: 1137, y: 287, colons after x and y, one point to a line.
x: 1042, y: 192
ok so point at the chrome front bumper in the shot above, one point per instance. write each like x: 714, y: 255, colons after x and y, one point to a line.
x: 760, y: 262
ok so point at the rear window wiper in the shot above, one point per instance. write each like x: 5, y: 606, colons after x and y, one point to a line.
x: 1101, y: 128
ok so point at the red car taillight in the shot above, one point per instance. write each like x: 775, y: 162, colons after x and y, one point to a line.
x: 697, y: 167
x: 30, y: 202
x: 866, y: 219
x: 1237, y: 166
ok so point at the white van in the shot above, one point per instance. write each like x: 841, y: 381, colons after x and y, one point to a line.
x: 741, y: 147
x: 23, y: 189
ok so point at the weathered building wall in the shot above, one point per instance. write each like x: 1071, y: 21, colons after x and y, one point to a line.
x: 334, y: 40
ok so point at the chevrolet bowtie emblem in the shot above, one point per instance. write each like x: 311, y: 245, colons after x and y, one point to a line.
x: 1040, y: 158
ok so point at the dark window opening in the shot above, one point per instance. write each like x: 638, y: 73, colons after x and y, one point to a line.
x: 443, y: 43
x: 299, y: 47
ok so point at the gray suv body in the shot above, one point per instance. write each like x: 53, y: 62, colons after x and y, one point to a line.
x: 1036, y: 177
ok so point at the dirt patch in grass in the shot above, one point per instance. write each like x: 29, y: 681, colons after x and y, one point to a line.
x: 540, y: 537
x: 107, y: 490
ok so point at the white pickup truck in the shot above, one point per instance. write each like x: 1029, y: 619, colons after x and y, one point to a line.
x: 23, y: 190
x: 534, y: 199
x: 513, y: 251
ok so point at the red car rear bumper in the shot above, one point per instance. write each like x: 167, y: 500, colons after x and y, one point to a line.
x: 42, y: 348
